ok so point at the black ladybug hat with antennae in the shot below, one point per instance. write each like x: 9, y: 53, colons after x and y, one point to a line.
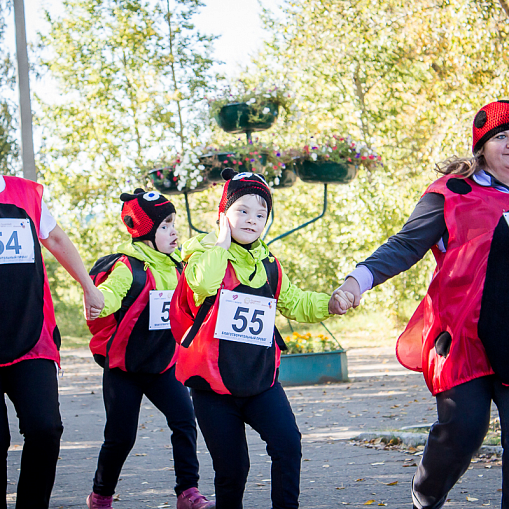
x: 143, y: 212
x: 240, y: 184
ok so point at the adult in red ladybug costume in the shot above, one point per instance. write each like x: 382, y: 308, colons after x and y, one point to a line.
x: 458, y: 336
x: 29, y: 337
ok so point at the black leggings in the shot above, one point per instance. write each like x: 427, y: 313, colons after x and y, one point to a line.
x: 33, y: 389
x: 122, y: 394
x: 463, y: 420
x: 222, y: 420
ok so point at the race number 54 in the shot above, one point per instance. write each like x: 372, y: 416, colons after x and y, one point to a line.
x: 12, y: 244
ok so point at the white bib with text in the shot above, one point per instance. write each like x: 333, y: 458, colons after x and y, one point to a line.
x: 16, y: 241
x: 159, y: 317
x: 245, y: 318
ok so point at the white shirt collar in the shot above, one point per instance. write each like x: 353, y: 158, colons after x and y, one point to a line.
x: 483, y: 179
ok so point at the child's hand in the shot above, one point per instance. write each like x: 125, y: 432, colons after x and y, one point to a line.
x: 224, y: 239
x: 340, y: 302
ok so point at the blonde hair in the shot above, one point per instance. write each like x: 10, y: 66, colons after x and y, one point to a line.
x: 463, y: 166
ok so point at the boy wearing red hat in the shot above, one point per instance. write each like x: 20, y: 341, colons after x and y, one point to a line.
x: 232, y: 361
x: 138, y: 351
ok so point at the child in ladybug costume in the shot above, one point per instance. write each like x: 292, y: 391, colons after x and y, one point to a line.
x: 458, y: 336
x: 231, y: 361
x: 138, y: 351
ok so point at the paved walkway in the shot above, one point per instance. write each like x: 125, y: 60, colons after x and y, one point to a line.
x: 336, y: 471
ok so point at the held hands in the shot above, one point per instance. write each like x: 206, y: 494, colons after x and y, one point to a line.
x: 346, y: 296
x: 93, y: 302
x: 224, y: 239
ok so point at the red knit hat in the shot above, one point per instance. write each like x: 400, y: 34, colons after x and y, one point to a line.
x: 143, y: 212
x: 240, y: 184
x: 489, y: 121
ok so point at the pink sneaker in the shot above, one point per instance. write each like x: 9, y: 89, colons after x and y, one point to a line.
x: 193, y: 499
x: 95, y: 501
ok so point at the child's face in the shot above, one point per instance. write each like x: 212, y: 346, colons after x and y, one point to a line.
x: 166, y: 235
x: 247, y: 217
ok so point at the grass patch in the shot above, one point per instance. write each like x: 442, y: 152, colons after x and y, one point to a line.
x: 353, y: 330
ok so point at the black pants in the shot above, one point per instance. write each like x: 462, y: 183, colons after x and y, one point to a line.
x: 33, y: 389
x: 122, y: 394
x: 463, y: 420
x: 222, y: 420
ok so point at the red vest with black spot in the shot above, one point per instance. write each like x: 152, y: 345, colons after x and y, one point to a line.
x: 225, y: 367
x: 468, y: 297
x: 128, y: 344
x: 27, y: 315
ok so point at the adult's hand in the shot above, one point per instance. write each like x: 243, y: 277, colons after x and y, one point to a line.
x: 224, y: 239
x: 350, y: 286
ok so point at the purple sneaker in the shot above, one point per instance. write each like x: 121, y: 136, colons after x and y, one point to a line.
x: 95, y: 501
x: 193, y: 499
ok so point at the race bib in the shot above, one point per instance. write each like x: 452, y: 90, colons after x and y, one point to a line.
x: 159, y: 316
x: 245, y: 318
x: 16, y: 241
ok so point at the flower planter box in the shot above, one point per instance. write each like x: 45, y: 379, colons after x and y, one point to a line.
x: 243, y: 118
x: 164, y: 180
x: 313, y: 368
x: 325, y: 172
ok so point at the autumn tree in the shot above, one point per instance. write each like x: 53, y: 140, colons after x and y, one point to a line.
x: 406, y: 77
x: 130, y: 80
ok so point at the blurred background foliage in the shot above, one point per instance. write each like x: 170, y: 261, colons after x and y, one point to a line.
x: 133, y: 77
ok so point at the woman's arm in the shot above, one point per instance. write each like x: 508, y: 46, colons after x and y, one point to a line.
x: 425, y: 228
x: 62, y: 248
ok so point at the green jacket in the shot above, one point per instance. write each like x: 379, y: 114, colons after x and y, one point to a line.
x: 119, y: 281
x: 207, y: 266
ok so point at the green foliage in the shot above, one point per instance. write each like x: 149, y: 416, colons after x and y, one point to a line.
x: 132, y: 76
x: 405, y: 78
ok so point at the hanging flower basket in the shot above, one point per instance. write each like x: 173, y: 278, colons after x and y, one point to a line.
x: 166, y: 182
x: 215, y: 162
x: 334, y: 159
x: 285, y: 180
x: 243, y: 117
x: 322, y: 171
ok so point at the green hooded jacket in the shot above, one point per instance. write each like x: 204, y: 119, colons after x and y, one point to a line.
x: 119, y: 281
x: 207, y: 266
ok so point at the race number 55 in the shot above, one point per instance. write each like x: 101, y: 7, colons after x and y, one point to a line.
x: 165, y: 309
x: 239, y: 316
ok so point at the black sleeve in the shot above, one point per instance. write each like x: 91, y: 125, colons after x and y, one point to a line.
x: 424, y: 228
